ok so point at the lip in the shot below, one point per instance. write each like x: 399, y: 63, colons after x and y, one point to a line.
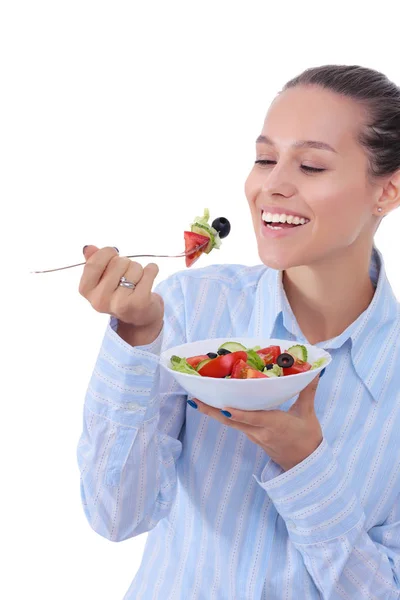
x: 281, y: 210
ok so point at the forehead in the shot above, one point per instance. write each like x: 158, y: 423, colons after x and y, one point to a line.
x: 314, y: 113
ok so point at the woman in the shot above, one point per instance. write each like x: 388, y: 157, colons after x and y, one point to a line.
x: 265, y: 504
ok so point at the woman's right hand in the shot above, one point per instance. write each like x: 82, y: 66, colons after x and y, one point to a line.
x: 99, y: 284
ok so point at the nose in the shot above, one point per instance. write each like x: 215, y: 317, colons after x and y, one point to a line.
x: 278, y: 181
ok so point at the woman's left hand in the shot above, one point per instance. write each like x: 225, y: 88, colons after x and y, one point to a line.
x: 287, y: 437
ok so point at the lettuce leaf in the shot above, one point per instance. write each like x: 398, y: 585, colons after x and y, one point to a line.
x: 181, y: 365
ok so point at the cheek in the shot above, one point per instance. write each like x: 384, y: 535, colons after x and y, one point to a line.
x: 251, y: 186
x: 339, y: 208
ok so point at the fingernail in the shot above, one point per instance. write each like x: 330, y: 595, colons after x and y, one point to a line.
x: 84, y: 248
x: 226, y: 413
x: 322, y: 372
x: 192, y: 403
x: 116, y: 249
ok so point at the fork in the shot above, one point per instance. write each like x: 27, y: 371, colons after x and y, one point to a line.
x: 133, y: 256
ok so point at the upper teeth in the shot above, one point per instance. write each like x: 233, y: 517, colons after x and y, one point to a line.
x: 282, y: 218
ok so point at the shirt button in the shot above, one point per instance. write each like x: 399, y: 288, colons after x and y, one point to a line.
x: 138, y: 370
x: 133, y: 406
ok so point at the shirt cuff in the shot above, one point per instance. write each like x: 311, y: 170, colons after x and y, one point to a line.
x: 315, y: 498
x: 154, y: 347
x: 124, y: 384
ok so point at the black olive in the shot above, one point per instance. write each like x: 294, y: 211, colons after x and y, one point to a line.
x: 269, y: 367
x: 212, y: 355
x: 223, y: 351
x: 223, y: 226
x: 285, y: 360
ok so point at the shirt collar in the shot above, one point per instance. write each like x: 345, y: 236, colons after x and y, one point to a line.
x: 377, y: 326
x: 376, y: 331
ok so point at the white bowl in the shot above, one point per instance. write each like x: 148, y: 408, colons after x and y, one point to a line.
x: 245, y: 394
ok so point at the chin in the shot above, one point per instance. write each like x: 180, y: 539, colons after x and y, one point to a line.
x: 280, y: 259
x: 278, y: 265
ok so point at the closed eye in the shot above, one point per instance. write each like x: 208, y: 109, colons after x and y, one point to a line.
x: 304, y: 167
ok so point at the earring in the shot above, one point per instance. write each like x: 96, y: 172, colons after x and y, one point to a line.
x: 380, y: 209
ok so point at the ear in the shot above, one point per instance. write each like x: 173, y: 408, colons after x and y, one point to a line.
x: 390, y: 196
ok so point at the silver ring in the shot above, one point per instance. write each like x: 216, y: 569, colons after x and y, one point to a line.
x: 123, y: 282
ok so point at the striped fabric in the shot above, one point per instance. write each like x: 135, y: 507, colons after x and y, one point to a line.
x: 225, y: 522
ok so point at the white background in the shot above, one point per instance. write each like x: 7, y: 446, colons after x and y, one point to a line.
x: 120, y: 121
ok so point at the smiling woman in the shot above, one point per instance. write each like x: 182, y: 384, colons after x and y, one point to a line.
x: 304, y: 500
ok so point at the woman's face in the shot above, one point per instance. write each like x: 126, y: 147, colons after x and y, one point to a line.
x: 339, y: 201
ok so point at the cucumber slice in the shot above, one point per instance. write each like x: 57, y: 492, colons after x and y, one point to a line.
x: 298, y: 351
x: 204, y: 230
x: 201, y: 226
x: 202, y: 363
x: 232, y: 347
x: 255, y: 360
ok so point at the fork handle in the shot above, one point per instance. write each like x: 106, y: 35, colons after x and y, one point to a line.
x: 131, y: 256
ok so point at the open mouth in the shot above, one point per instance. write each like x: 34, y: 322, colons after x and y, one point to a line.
x: 282, y: 221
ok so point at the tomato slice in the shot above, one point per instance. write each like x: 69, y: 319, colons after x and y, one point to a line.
x: 222, y: 365
x: 254, y: 374
x: 192, y: 241
x: 299, y: 366
x: 241, y: 370
x: 269, y: 354
x: 196, y: 360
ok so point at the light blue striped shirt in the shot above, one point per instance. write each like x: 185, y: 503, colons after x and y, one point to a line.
x: 225, y: 522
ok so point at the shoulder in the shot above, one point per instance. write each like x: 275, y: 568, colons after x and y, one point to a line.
x: 231, y: 276
x: 211, y: 282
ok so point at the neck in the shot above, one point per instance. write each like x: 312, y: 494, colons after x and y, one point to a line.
x: 328, y: 296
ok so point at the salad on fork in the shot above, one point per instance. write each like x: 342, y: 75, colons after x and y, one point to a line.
x: 201, y: 239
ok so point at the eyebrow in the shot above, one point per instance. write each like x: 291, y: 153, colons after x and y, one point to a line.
x: 262, y: 139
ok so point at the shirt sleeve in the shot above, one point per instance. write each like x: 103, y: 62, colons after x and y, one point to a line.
x: 153, y: 348
x: 133, y: 414
x: 326, y: 523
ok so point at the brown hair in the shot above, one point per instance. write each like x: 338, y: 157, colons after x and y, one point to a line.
x: 380, y: 136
